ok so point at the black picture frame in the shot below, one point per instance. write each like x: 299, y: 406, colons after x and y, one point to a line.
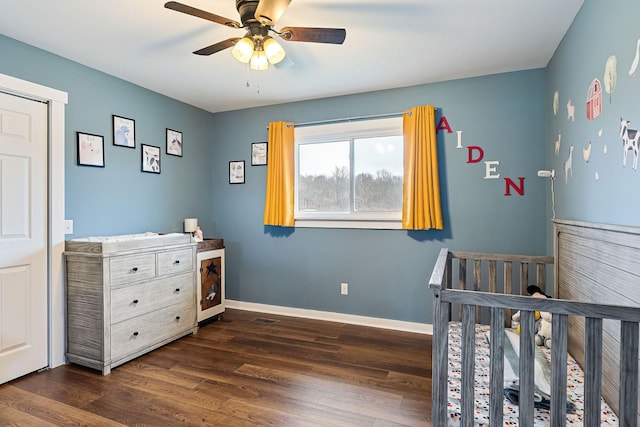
x: 90, y: 149
x: 259, y: 153
x: 174, y: 142
x: 124, y: 131
x: 236, y: 172
x: 150, y: 159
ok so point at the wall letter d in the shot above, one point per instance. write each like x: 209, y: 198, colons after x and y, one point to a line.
x: 470, y: 150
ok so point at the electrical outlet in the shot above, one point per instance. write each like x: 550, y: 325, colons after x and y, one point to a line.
x: 344, y: 288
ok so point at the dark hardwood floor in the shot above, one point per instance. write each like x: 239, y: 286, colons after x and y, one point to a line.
x: 240, y: 372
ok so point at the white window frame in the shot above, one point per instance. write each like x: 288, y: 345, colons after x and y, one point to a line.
x: 347, y: 130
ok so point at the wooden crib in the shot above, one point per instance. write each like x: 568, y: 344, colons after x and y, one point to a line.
x: 595, y: 277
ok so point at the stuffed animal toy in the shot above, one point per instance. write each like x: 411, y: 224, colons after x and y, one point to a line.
x: 198, y: 235
x: 543, y: 334
x: 543, y: 319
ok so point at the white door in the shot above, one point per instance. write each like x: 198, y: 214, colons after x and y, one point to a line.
x: 23, y: 236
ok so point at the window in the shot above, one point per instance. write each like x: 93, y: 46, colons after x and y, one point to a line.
x: 349, y: 174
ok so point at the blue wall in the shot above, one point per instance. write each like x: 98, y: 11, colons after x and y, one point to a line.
x: 387, y: 269
x: 120, y: 198
x: 600, y: 30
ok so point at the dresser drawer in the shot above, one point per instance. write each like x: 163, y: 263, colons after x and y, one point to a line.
x: 139, y: 333
x: 173, y: 262
x: 141, y: 298
x: 129, y: 268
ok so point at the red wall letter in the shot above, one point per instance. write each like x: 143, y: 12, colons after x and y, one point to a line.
x: 470, y: 152
x: 443, y: 124
x: 509, y: 183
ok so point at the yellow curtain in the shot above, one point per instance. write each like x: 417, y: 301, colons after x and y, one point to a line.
x: 421, y: 208
x: 278, y: 207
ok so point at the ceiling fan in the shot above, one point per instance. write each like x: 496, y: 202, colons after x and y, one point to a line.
x: 258, y: 17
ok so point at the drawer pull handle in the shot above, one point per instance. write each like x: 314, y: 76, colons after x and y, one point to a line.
x: 177, y: 261
x: 135, y: 334
x: 177, y: 290
x: 177, y: 317
x: 135, y: 301
x: 134, y: 269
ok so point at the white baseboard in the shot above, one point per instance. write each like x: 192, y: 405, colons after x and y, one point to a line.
x: 375, y: 322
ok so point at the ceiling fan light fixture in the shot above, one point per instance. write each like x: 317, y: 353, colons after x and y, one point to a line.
x: 259, y: 61
x: 243, y: 50
x: 275, y: 53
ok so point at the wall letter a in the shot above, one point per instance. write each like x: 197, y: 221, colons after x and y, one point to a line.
x: 443, y: 124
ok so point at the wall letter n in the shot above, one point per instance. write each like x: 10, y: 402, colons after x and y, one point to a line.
x: 509, y: 183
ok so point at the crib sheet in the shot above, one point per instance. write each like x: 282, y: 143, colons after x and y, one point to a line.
x: 575, y: 382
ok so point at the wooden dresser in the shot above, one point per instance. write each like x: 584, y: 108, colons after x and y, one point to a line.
x: 127, y: 295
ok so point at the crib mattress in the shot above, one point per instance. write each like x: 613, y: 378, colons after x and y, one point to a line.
x: 575, y: 382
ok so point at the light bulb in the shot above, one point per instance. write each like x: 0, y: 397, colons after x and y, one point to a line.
x: 275, y: 53
x: 243, y: 49
x: 259, y: 61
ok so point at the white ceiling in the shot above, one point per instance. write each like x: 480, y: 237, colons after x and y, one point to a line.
x: 389, y: 44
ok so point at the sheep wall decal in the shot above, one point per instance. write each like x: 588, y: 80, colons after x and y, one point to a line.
x: 629, y: 142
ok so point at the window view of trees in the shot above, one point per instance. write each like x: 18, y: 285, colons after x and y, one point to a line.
x: 379, y: 192
x: 351, y: 170
x: 322, y: 193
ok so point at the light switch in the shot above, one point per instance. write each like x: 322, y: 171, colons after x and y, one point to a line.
x: 68, y: 226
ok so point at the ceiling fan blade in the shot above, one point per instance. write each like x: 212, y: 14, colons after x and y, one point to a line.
x: 269, y: 12
x: 179, y: 7
x: 314, y: 35
x: 217, y: 47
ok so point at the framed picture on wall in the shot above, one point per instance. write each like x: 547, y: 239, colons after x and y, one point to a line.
x: 258, y: 154
x: 174, y: 142
x: 150, y: 159
x: 90, y: 149
x: 124, y: 132
x: 236, y: 172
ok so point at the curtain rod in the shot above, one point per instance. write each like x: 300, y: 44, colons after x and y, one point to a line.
x: 349, y: 119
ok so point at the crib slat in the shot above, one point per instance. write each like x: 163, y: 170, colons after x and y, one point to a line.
x: 462, y: 280
x: 506, y: 274
x: 477, y: 278
x: 440, y: 357
x: 468, y: 365
x: 524, y: 278
x: 496, y: 386
x: 493, y: 278
x: 541, y: 275
x: 448, y: 271
x: 526, y: 368
x: 560, y: 328
x: 508, y: 268
x: 629, y: 373
x: 592, y: 370
x: 462, y: 273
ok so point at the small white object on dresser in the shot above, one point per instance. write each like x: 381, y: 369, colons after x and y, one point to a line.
x: 127, y: 295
